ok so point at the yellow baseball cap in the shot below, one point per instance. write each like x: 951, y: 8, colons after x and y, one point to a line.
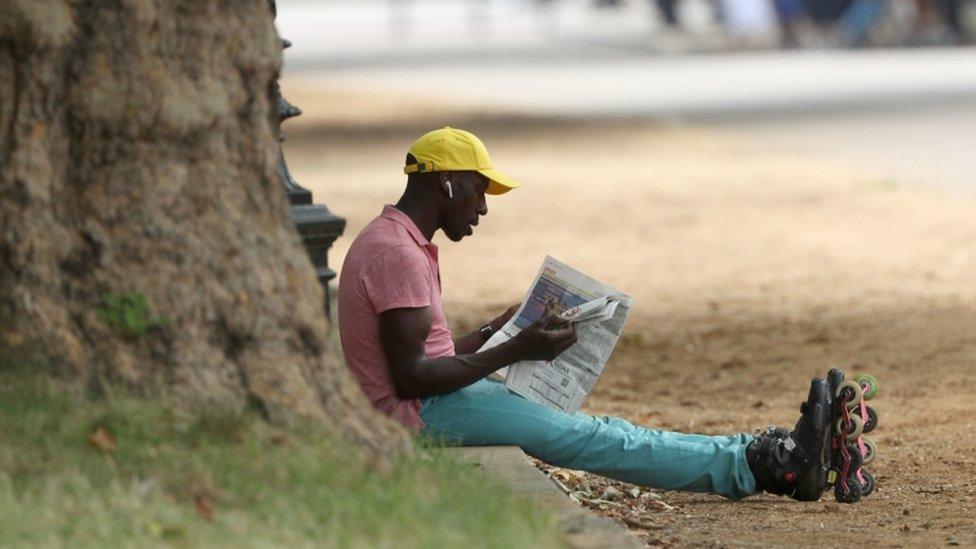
x: 450, y: 149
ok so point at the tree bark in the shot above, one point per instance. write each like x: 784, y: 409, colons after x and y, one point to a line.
x: 138, y: 155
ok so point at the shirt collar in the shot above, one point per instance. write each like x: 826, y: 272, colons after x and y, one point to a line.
x: 395, y: 215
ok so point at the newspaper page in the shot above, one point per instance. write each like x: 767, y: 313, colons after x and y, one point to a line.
x: 599, y: 313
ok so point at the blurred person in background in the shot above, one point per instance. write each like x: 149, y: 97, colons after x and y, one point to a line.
x: 857, y: 21
x: 789, y: 15
x: 930, y: 22
x: 669, y: 12
x: 952, y: 14
x: 825, y: 13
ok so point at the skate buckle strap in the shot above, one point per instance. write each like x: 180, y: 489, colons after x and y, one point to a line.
x: 791, y: 446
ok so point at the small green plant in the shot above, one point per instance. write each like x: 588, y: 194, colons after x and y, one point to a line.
x: 128, y: 314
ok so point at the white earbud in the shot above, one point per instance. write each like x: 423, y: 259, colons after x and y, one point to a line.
x: 450, y: 192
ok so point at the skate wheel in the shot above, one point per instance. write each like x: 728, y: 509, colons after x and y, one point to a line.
x: 856, y: 458
x: 851, y: 392
x: 848, y: 490
x: 870, y: 451
x: 867, y: 483
x: 853, y: 430
x: 869, y: 383
x: 871, y: 421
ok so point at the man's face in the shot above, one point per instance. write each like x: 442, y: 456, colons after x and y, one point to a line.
x: 462, y: 211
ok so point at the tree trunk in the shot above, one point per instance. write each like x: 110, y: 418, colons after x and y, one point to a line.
x: 144, y: 230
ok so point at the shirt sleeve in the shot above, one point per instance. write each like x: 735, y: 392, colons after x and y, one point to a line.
x: 396, y: 279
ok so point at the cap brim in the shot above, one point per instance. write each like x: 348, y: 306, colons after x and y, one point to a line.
x: 498, y: 183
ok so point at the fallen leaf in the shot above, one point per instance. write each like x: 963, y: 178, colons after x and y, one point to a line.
x: 598, y: 503
x: 658, y: 504
x: 651, y: 495
x: 101, y: 439
x: 572, y: 480
x: 204, y: 506
x: 278, y: 438
x: 559, y: 484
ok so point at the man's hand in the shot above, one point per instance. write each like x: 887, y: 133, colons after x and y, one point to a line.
x: 545, y: 339
x: 507, y: 315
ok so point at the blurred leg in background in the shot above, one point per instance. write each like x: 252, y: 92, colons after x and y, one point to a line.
x: 952, y: 16
x: 669, y: 12
x: 825, y: 15
x: 789, y: 13
x: 858, y: 19
x: 925, y: 20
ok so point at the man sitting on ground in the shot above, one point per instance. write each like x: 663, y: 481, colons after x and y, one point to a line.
x: 397, y: 344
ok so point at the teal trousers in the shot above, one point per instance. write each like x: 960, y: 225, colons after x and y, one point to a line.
x: 487, y: 414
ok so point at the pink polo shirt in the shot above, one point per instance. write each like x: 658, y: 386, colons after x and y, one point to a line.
x: 390, y: 265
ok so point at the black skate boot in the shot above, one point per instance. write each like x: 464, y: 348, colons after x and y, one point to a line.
x: 795, y: 463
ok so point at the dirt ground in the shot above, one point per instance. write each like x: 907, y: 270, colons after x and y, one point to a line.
x: 754, y: 269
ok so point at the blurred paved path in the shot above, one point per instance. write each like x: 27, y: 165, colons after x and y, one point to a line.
x: 702, y: 87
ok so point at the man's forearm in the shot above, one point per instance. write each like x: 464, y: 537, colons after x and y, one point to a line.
x: 442, y: 375
x: 469, y: 344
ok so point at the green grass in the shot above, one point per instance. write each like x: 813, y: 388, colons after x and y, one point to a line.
x: 266, y: 486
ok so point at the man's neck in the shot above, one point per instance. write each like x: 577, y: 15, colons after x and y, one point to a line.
x: 421, y: 213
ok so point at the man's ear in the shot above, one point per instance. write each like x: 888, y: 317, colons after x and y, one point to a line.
x: 445, y: 183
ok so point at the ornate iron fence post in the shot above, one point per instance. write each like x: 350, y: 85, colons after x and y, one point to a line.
x: 318, y: 226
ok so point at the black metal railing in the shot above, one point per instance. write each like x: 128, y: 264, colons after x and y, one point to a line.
x: 318, y: 226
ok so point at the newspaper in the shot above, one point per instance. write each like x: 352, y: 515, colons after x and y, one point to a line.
x: 599, y: 313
